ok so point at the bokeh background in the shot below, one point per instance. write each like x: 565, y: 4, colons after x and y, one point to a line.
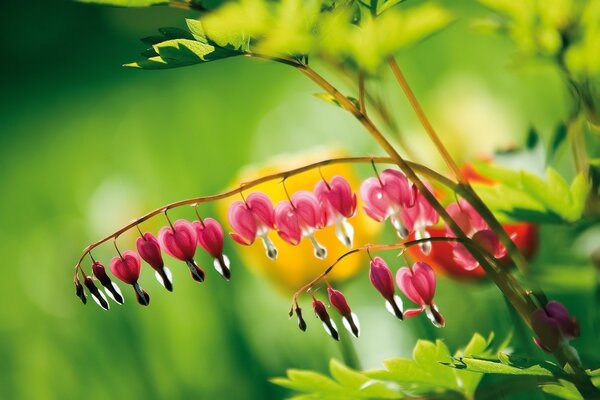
x: 86, y: 145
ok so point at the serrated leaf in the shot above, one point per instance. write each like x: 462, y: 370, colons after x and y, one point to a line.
x: 496, y: 367
x: 181, y: 52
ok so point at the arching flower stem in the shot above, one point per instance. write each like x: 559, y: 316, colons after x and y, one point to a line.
x: 421, y: 169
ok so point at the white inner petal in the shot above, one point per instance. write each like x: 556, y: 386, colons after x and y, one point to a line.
x: 344, y: 231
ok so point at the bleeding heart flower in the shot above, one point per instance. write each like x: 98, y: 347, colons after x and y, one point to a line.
x: 418, y: 217
x: 338, y: 203
x: 127, y: 268
x: 386, y: 196
x: 381, y: 278
x: 180, y: 242
x: 251, y: 218
x: 111, y: 288
x: 211, y: 238
x: 350, y: 320
x: 474, y: 226
x: 149, y: 249
x: 418, y: 284
x: 323, y: 315
x: 553, y: 324
x: 300, y: 217
x: 97, y: 295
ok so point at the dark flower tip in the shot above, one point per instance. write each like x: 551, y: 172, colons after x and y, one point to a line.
x: 301, y: 322
x: 197, y: 273
x: 323, y: 315
x: 141, y: 295
x: 79, y: 292
x: 97, y: 295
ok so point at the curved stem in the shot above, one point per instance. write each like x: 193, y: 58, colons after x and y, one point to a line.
x: 433, y: 136
x: 421, y: 169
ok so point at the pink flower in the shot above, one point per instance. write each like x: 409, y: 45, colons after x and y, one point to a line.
x: 417, y: 218
x: 127, y: 267
x: 323, y: 315
x: 475, y: 227
x: 381, y: 278
x: 385, y: 196
x: 149, y: 249
x: 180, y: 242
x: 111, y: 288
x: 552, y: 324
x: 252, y: 218
x: 211, y: 238
x: 338, y: 203
x: 300, y: 217
x: 350, y: 320
x: 418, y: 284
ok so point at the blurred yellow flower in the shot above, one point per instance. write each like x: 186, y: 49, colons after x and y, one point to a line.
x: 296, y: 265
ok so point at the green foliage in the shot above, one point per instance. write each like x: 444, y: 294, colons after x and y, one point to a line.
x: 563, y: 30
x: 524, y: 196
x: 127, y: 3
x: 426, y: 374
x: 338, y: 31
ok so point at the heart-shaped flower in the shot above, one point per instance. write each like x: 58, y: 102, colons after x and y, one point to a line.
x: 381, y: 278
x: 418, y: 284
x: 211, y: 238
x: 180, y: 242
x: 126, y: 267
x: 149, y: 249
x: 338, y: 203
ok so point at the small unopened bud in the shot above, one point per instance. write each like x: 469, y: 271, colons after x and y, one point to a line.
x: 97, y: 295
x: 349, y: 319
x: 79, y: 292
x: 323, y: 315
x: 112, y: 290
x: 301, y: 322
x: 553, y: 324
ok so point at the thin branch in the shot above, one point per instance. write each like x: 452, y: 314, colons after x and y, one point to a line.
x: 248, y: 185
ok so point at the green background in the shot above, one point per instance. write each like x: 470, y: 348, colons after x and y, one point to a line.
x: 87, y: 145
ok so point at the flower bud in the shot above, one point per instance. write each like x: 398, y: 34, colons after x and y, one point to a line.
x: 301, y: 322
x: 211, y: 238
x: 149, y: 249
x: 350, y: 320
x: 111, y: 289
x: 79, y: 292
x: 323, y: 315
x: 97, y: 295
x: 553, y: 324
x: 381, y: 278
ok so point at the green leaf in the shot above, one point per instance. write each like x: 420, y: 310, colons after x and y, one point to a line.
x: 563, y: 389
x: 497, y: 367
x: 181, y: 52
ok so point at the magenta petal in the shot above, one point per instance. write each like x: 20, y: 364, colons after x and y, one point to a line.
x: 404, y: 278
x: 397, y: 188
x: 287, y: 222
x: 546, y: 328
x: 308, y: 209
x: 337, y: 299
x: 127, y: 268
x: 568, y: 324
x: 210, y: 236
x: 424, y: 281
x: 242, y: 220
x: 488, y: 240
x: 463, y: 257
x: 413, y: 311
x: 376, y: 201
x: 341, y: 197
x: 381, y: 278
x: 181, y: 242
x: 149, y: 249
x: 262, y: 209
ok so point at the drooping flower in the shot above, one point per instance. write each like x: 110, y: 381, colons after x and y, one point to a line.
x: 323, y: 315
x: 111, y: 288
x: 552, y: 324
x: 180, y: 242
x: 338, y: 203
x: 381, y: 278
x: 418, y: 217
x: 300, y: 217
x: 127, y: 268
x: 386, y: 196
x: 79, y: 292
x: 211, y: 238
x: 149, y: 249
x: 97, y: 295
x: 418, y: 284
x: 301, y: 323
x: 252, y: 218
x: 475, y: 227
x: 350, y: 320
